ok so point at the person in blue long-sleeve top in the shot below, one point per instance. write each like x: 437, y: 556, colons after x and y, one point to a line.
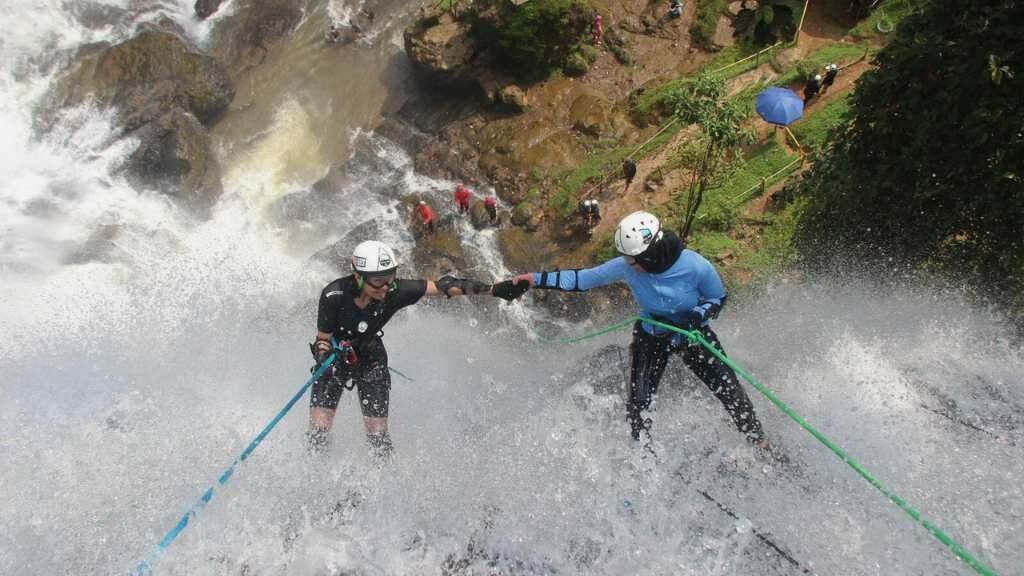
x: 675, y: 286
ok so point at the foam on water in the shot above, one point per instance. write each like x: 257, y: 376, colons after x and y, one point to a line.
x: 142, y: 350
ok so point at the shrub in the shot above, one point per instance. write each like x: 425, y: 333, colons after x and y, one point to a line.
x: 534, y: 37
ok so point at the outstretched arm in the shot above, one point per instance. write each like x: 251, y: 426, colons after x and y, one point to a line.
x: 451, y: 286
x: 578, y: 280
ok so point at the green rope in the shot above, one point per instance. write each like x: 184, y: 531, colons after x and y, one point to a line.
x: 696, y: 336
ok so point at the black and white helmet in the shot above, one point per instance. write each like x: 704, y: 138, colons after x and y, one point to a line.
x: 374, y: 258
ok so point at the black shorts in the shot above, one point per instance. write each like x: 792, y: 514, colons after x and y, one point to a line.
x: 371, y: 379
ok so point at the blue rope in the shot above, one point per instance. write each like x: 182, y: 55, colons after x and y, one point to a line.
x: 147, y: 566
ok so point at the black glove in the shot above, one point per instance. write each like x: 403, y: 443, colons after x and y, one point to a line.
x: 509, y: 291
x: 321, y: 350
x: 692, y: 321
x: 446, y: 283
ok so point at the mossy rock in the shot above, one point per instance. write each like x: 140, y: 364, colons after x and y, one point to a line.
x: 524, y: 251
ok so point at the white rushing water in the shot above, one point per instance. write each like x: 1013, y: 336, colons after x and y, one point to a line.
x: 141, y: 351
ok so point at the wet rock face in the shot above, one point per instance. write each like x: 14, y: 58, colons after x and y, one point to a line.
x: 241, y: 40
x: 589, y: 114
x: 165, y: 91
x: 174, y: 155
x: 205, y: 8
x: 154, y: 56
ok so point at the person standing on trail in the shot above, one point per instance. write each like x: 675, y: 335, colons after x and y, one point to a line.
x: 593, y: 215
x: 491, y: 205
x: 831, y: 70
x: 672, y: 285
x: 350, y: 319
x: 628, y: 172
x: 597, y: 30
x: 812, y: 88
x: 426, y: 215
x: 462, y: 197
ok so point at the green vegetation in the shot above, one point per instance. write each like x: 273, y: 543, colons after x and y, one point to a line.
x: 887, y: 15
x: 812, y: 131
x: 534, y: 37
x: 565, y: 201
x: 764, y: 162
x: 930, y: 173
x: 841, y: 53
x: 771, y: 21
x: 702, y: 31
x: 706, y: 104
x: 653, y: 101
x: 572, y: 182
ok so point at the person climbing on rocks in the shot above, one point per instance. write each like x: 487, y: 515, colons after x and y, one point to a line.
x: 426, y: 215
x: 462, y: 198
x: 675, y: 286
x: 491, y: 205
x: 351, y: 316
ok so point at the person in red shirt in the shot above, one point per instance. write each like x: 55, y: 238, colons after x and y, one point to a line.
x: 462, y: 196
x: 491, y: 204
x: 597, y: 30
x: 426, y: 214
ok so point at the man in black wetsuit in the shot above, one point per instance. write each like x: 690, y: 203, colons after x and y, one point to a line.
x: 352, y: 313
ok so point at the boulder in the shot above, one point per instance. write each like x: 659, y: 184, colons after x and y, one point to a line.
x: 205, y: 8
x: 478, y: 215
x: 514, y: 98
x: 441, y: 51
x: 522, y: 214
x: 174, y: 155
x: 725, y: 34
x: 201, y: 85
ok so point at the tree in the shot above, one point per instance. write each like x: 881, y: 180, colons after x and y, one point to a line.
x: 770, y: 21
x: 534, y: 37
x: 705, y: 102
x: 930, y: 170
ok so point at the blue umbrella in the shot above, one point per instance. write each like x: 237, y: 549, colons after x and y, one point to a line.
x: 779, y: 106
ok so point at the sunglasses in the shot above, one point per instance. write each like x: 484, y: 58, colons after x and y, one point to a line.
x: 380, y: 282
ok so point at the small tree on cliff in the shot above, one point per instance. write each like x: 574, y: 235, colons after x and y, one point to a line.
x: 931, y: 168
x: 705, y: 102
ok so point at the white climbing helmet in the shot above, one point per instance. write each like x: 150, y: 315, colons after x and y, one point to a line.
x: 636, y: 232
x: 374, y: 258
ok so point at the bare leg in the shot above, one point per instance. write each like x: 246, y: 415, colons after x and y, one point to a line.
x: 377, y: 436
x: 320, y: 422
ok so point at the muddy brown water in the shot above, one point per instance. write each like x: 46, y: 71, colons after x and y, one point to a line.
x: 295, y: 113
